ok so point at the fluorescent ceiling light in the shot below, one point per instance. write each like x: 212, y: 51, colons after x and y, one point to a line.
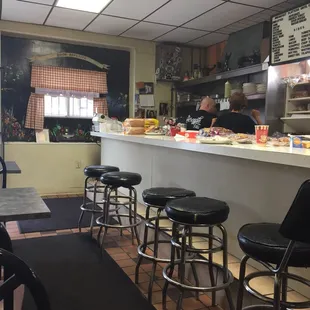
x: 94, y: 6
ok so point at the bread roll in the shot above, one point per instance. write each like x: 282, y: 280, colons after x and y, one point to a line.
x: 134, y: 130
x: 134, y: 122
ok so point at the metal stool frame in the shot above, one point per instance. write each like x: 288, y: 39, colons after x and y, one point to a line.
x: 280, y: 274
x: 186, y: 232
x: 103, y: 221
x: 94, y: 204
x: 142, y: 248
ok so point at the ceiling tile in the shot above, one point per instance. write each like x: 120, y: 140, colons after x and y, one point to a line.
x: 136, y: 9
x: 24, y: 12
x: 147, y: 31
x: 260, y: 3
x: 210, y: 39
x: 284, y: 6
x: 110, y: 25
x: 48, y: 2
x: 181, y: 35
x: 72, y: 19
x: 186, y: 10
x: 297, y: 2
x: 222, y: 16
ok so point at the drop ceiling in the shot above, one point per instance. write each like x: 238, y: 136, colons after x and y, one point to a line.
x: 192, y: 22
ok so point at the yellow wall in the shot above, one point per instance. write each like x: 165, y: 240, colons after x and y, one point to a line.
x: 52, y: 167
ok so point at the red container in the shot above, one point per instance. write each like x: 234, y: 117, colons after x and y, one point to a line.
x: 174, y: 131
x: 191, y: 134
x: 261, y: 134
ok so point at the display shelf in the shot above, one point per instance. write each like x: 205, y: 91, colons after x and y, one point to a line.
x: 298, y: 112
x: 224, y: 75
x: 299, y: 99
x: 256, y: 96
x: 301, y: 84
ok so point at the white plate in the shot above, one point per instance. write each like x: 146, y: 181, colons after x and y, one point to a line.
x: 154, y: 134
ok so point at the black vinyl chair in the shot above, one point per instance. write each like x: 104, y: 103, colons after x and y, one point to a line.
x: 3, y: 171
x: 281, y: 245
x: 16, y: 273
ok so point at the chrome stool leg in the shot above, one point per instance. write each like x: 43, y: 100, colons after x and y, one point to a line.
x: 241, y: 280
x: 84, y: 203
x: 195, y: 274
x: 225, y: 265
x: 106, y: 215
x: 155, y: 250
x: 144, y: 245
x: 172, y: 265
x: 211, y: 270
x: 182, y: 267
x: 94, y: 209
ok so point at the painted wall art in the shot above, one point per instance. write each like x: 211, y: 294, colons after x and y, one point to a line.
x: 17, y: 57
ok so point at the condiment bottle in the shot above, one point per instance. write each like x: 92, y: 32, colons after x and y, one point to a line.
x: 227, y: 89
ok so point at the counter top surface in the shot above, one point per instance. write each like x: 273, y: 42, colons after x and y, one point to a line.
x: 277, y: 155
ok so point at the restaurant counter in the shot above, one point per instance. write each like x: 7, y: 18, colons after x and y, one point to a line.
x: 258, y: 183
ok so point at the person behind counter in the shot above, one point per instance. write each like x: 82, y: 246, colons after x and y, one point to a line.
x: 235, y: 120
x: 203, y: 117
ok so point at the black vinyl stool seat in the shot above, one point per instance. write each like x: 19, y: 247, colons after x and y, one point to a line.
x: 185, y: 214
x: 121, y: 179
x: 202, y: 210
x: 283, y: 245
x: 264, y: 242
x: 98, y: 171
x: 94, y: 173
x: 156, y: 197
x: 159, y: 196
x: 112, y: 182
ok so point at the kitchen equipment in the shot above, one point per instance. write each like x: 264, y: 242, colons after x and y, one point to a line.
x: 249, y: 88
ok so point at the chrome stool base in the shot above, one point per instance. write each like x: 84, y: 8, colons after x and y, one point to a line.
x: 142, y: 248
x: 93, y: 206
x: 280, y: 275
x: 187, y: 248
x: 131, y: 204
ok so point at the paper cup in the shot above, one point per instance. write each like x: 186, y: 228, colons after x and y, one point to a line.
x: 261, y: 134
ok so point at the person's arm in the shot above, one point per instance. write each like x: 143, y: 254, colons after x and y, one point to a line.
x: 256, y: 115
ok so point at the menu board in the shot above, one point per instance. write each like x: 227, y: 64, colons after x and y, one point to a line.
x: 290, y: 35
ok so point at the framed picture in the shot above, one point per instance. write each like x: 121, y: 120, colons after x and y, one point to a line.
x: 163, y: 109
x: 151, y: 114
x: 43, y: 136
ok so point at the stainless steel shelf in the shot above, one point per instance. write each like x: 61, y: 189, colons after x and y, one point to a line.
x: 224, y: 75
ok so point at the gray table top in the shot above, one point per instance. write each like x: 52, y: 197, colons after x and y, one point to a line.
x: 12, y: 167
x: 22, y: 204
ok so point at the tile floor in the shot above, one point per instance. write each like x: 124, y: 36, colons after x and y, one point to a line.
x: 125, y: 255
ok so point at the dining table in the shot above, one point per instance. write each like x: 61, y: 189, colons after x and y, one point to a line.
x: 17, y: 204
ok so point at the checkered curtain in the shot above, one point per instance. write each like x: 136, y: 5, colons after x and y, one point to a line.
x: 35, y: 112
x: 69, y: 79
x: 101, y: 106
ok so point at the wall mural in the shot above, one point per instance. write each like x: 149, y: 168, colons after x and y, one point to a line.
x: 16, y: 57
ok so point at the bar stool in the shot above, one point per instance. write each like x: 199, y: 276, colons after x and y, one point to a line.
x: 187, y: 213
x: 112, y: 181
x: 157, y: 198
x: 283, y: 245
x: 93, y: 172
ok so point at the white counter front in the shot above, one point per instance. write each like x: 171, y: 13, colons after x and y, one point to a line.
x: 258, y: 183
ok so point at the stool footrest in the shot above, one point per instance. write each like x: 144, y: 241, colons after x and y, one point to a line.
x: 100, y: 222
x: 150, y: 257
x: 183, y: 286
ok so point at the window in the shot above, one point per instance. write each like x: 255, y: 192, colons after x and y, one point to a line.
x: 68, y: 104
